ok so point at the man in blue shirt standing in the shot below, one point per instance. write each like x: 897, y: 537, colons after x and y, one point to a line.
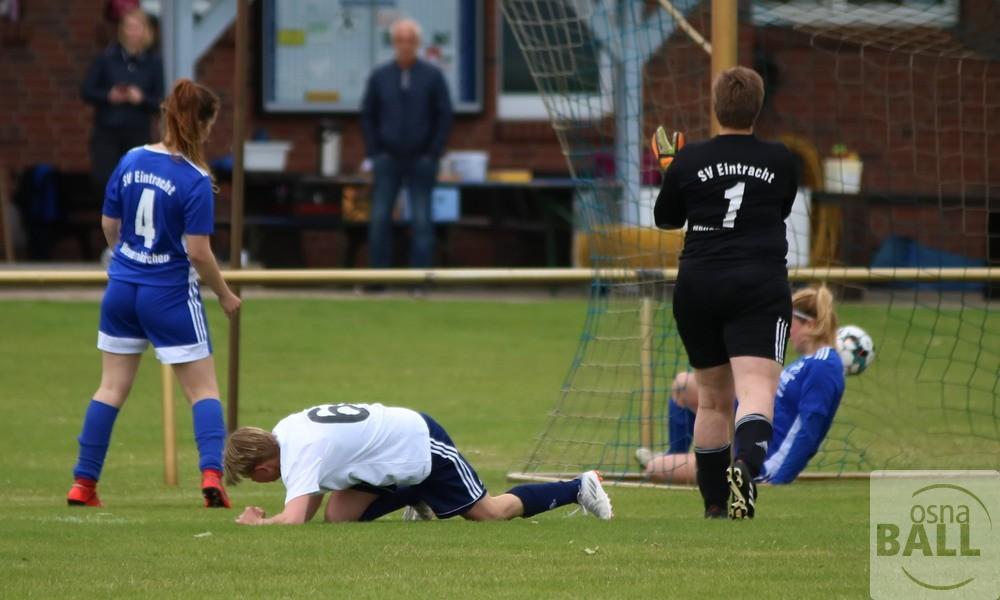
x: 406, y: 116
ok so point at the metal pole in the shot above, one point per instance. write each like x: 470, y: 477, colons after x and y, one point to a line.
x: 236, y: 229
x: 628, y: 110
x: 499, y: 277
x: 725, y: 41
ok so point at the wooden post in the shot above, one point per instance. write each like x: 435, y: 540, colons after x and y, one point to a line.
x: 647, y: 314
x: 5, y: 229
x: 236, y: 228
x: 725, y: 41
x: 169, y: 426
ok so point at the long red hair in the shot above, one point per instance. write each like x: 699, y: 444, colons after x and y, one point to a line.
x: 188, y: 113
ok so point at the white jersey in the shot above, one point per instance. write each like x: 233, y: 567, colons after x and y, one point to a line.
x: 337, y: 446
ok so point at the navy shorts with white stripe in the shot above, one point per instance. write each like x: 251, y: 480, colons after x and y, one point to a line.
x: 453, y: 485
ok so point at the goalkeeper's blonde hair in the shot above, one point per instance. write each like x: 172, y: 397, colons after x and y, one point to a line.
x: 246, y: 448
x: 817, y: 303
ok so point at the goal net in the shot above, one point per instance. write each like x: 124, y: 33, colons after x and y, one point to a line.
x: 892, y: 111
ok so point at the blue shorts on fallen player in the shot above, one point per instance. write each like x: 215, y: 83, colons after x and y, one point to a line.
x: 171, y: 317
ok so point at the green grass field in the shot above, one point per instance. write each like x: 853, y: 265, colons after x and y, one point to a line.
x: 489, y: 371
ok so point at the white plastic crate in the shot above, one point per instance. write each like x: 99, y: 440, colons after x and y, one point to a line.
x: 265, y: 156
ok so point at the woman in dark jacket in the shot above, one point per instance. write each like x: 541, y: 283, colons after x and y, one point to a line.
x: 125, y: 86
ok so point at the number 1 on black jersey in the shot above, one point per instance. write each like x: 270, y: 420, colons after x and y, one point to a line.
x: 735, y: 197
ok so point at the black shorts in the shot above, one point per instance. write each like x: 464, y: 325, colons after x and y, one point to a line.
x: 722, y: 313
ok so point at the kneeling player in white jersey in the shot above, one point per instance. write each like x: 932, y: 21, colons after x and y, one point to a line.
x: 373, y: 460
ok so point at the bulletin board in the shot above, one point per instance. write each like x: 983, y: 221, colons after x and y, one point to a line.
x: 317, y: 54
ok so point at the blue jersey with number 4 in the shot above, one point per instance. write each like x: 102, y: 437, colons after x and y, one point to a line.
x: 159, y: 198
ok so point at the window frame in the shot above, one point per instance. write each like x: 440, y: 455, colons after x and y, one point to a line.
x: 835, y: 13
x: 525, y: 106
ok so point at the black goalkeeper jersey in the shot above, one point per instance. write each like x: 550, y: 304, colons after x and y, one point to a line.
x: 734, y: 192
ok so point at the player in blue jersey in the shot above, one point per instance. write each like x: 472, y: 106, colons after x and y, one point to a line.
x: 807, y: 399
x: 157, y: 217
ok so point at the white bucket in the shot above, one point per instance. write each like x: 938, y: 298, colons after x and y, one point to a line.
x: 842, y: 175
x: 265, y: 156
x: 797, y: 229
x: 329, y: 153
x: 468, y: 165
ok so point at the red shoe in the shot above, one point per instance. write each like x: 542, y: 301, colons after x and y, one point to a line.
x: 83, y: 493
x: 211, y: 488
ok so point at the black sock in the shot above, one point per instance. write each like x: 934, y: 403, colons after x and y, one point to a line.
x: 753, y: 433
x: 711, y: 464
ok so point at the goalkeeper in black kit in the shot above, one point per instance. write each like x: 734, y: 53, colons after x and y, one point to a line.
x: 732, y: 300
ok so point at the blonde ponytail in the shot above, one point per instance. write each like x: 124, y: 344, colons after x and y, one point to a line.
x: 816, y: 303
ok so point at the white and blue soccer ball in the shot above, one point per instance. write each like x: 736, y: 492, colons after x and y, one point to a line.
x: 856, y: 349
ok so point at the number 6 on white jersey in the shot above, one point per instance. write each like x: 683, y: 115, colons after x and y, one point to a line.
x: 144, y: 217
x: 735, y: 197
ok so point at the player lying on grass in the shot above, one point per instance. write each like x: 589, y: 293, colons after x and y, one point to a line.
x: 373, y: 460
x: 808, y: 395
x: 157, y: 217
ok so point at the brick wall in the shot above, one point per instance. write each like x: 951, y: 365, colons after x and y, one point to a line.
x: 511, y: 145
x: 930, y: 127
x: 921, y: 124
x: 826, y: 92
x: 43, y: 59
x: 926, y: 127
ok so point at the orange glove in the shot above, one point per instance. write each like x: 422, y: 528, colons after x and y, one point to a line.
x: 665, y: 147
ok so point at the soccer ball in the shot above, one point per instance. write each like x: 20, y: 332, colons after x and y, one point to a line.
x: 856, y: 349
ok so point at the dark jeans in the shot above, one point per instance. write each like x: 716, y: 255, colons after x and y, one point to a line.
x: 107, y: 146
x: 390, y: 173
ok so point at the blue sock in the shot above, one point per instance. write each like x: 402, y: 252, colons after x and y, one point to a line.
x: 209, y: 432
x: 94, y: 440
x: 681, y: 428
x: 540, y: 497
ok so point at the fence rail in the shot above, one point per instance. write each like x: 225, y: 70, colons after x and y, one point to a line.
x: 460, y: 277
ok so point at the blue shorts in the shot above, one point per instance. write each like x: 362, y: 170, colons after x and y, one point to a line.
x: 172, y: 318
x: 453, y: 485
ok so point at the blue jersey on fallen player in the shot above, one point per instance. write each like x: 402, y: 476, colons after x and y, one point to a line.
x: 157, y: 218
x: 808, y: 397
x: 159, y: 198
